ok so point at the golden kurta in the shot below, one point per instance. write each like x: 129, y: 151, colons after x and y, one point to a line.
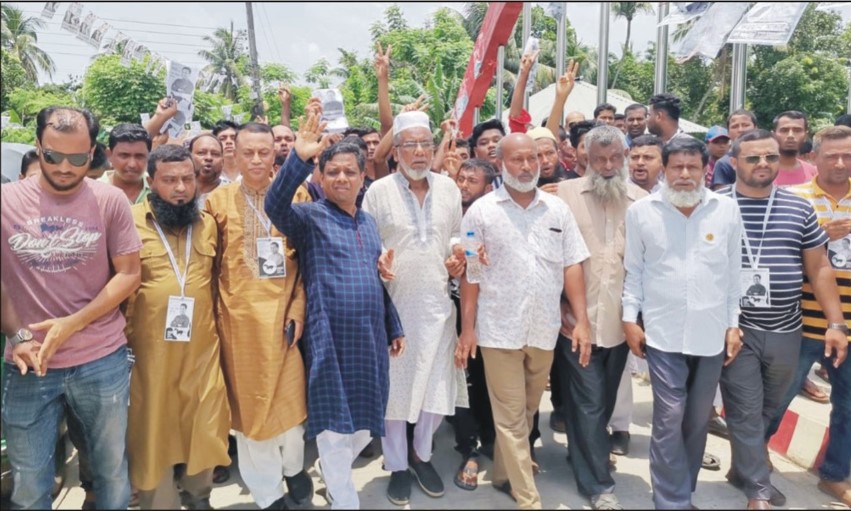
x: 178, y: 406
x: 265, y: 380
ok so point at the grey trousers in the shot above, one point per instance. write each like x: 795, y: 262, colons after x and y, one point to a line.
x: 589, y: 395
x: 683, y: 389
x: 753, y: 387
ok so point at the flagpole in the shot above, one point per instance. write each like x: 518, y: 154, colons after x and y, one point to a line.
x: 500, y: 67
x: 661, y: 76
x: 603, y: 53
x: 738, y: 77
x: 527, y: 32
x: 561, y: 25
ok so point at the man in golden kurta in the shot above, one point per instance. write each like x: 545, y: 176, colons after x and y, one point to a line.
x: 179, y: 414
x: 264, y: 373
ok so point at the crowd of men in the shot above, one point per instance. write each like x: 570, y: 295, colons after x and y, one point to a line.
x: 287, y: 286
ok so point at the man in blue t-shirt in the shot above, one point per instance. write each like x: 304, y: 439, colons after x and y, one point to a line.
x: 738, y: 122
x: 781, y: 243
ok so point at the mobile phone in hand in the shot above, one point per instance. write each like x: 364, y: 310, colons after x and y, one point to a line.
x: 289, y: 333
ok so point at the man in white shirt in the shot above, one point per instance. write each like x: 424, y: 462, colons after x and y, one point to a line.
x: 683, y: 262
x: 535, y: 250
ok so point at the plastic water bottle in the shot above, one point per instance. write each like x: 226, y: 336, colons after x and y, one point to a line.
x: 471, y: 245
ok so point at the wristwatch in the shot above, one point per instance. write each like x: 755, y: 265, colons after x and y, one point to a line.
x: 842, y: 327
x: 23, y: 335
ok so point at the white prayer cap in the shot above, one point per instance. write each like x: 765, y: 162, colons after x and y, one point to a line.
x: 408, y: 120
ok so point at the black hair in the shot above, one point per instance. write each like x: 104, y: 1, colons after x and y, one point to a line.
x: 668, y: 103
x: 687, y: 145
x: 742, y: 111
x: 255, y: 127
x: 648, y: 140
x: 462, y: 142
x: 168, y: 153
x: 224, y: 125
x: 65, y: 124
x: 562, y: 134
x: 791, y: 114
x: 359, y: 131
x: 843, y: 120
x: 807, y: 146
x: 749, y: 136
x: 202, y: 135
x: 99, y: 159
x: 493, y: 124
x: 27, y: 160
x: 341, y: 148
x: 620, y: 117
x: 604, y: 106
x: 485, y: 166
x: 579, y: 129
x: 128, y: 133
x: 635, y: 106
x: 280, y: 159
x: 356, y: 140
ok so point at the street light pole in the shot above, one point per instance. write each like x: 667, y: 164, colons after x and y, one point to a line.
x: 603, y: 53
x: 255, y: 69
x: 660, y: 81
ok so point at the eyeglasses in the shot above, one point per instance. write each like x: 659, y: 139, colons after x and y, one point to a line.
x: 411, y: 146
x: 55, y: 158
x: 753, y: 160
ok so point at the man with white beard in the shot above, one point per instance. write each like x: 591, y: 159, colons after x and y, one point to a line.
x: 599, y: 201
x: 683, y: 264
x: 535, y: 250
x: 418, y: 213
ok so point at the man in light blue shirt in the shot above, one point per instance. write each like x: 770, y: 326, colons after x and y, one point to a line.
x: 683, y: 264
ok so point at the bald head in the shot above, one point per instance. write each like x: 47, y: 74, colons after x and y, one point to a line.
x: 518, y: 154
x: 512, y: 143
x: 572, y: 118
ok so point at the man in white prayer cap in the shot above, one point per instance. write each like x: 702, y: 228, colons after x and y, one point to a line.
x: 418, y: 213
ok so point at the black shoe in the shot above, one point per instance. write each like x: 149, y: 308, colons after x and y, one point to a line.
x: 486, y: 450
x: 278, y: 505
x: 777, y: 498
x: 199, y: 504
x: 506, y: 489
x: 718, y: 427
x: 399, y: 489
x: 300, y: 488
x: 368, y: 451
x: 427, y: 478
x: 620, y: 442
x: 557, y: 422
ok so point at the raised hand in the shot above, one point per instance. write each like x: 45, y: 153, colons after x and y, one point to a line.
x: 284, y: 94
x: 527, y: 61
x: 451, y: 161
x: 314, y: 105
x: 167, y: 108
x: 416, y: 105
x: 382, y: 61
x: 565, y: 83
x: 307, y: 141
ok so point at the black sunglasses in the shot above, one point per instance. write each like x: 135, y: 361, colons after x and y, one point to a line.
x: 55, y: 158
x: 753, y: 160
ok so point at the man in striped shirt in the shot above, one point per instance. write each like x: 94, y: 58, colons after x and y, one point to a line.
x: 781, y: 242
x: 830, y: 194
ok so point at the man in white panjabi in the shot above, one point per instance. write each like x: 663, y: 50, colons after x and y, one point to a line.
x: 418, y: 213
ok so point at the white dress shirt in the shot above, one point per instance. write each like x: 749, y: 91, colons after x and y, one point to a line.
x: 683, y: 273
x: 528, y: 249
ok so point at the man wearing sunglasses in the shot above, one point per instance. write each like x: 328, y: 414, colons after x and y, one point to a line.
x: 781, y: 242
x: 70, y: 255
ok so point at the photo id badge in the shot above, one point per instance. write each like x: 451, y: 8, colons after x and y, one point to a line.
x: 270, y: 258
x: 178, y: 320
x: 839, y: 253
x: 756, y: 288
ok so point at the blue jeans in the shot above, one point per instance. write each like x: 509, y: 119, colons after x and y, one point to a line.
x: 837, y: 459
x: 97, y: 393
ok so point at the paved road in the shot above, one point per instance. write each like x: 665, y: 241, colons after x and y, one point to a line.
x: 555, y: 482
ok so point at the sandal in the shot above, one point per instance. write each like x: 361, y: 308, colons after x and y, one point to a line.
x: 811, y: 391
x: 710, y: 462
x: 467, y: 477
x: 821, y: 372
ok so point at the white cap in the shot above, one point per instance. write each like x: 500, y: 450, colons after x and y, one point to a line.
x: 408, y: 120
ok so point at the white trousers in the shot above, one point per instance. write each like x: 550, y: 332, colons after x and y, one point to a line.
x: 261, y: 463
x: 394, y: 443
x: 622, y: 414
x: 337, y: 452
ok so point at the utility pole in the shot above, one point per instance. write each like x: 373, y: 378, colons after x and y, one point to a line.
x: 738, y: 76
x: 660, y: 77
x: 527, y: 31
x: 255, y: 69
x: 603, y: 53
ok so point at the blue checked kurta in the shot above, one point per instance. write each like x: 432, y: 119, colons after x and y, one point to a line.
x: 350, y: 318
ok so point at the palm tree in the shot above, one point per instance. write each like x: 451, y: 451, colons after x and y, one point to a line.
x: 18, y: 36
x: 226, y: 59
x: 628, y: 11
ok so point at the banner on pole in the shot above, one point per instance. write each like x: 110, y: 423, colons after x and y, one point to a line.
x: 768, y: 23
x: 683, y: 12
x: 709, y: 33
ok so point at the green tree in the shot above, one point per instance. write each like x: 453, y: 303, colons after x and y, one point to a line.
x: 227, y: 59
x: 119, y: 94
x: 277, y: 73
x: 25, y: 103
x: 628, y: 11
x: 18, y: 36
x: 14, y: 77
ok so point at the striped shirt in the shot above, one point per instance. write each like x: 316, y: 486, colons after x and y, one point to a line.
x: 792, y: 227
x: 827, y: 209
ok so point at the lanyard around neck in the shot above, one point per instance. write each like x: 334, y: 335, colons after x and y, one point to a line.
x: 181, y: 279
x: 753, y: 259
x: 263, y: 219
